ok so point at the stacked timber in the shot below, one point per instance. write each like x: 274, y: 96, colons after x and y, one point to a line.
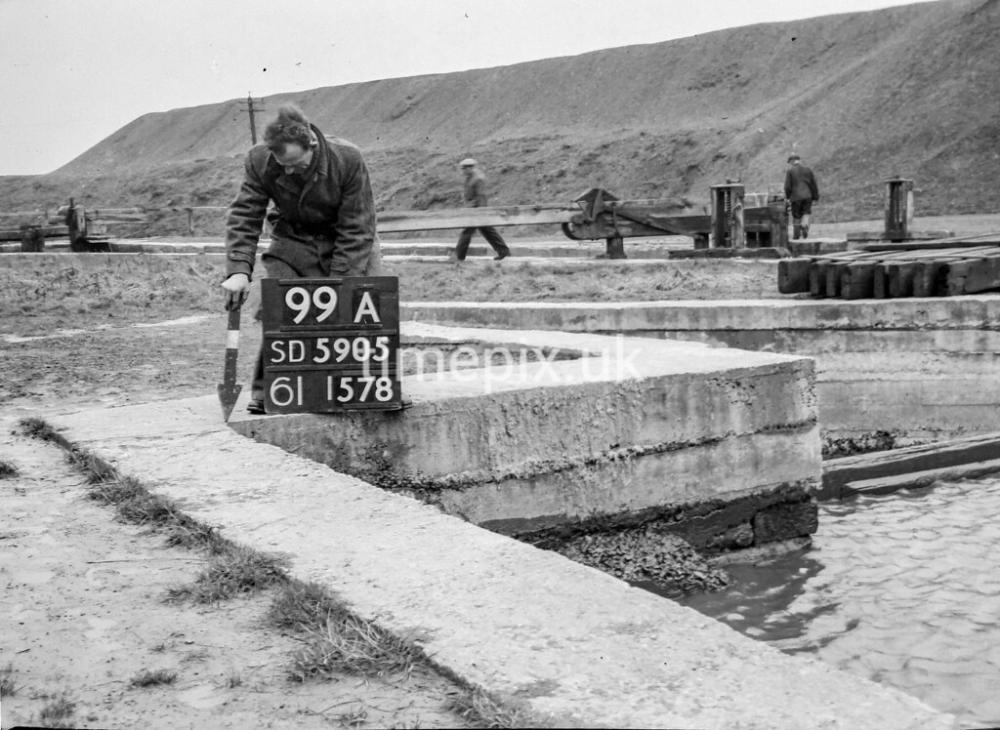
x: 940, y: 268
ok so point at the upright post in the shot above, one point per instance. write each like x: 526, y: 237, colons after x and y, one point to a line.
x: 253, y: 119
x: 615, y: 248
x: 252, y: 107
x: 727, y: 216
x: 898, y: 209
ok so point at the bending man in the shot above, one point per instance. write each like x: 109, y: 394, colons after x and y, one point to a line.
x: 323, y: 222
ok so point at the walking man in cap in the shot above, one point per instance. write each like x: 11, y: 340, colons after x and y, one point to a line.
x: 475, y: 197
x: 801, y: 191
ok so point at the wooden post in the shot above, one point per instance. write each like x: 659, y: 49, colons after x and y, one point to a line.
x: 898, y: 209
x: 616, y: 248
x: 190, y: 216
x: 252, y: 110
x: 778, y: 213
x: 32, y: 239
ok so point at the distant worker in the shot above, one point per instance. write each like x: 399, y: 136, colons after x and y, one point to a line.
x: 475, y: 197
x: 323, y: 222
x: 801, y: 192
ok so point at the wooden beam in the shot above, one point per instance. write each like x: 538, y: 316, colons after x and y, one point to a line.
x: 793, y: 275
x: 47, y: 231
x: 972, y: 275
x: 956, y: 242
x: 396, y: 221
x: 23, y: 214
x: 839, y: 473
x: 920, y: 479
x: 857, y: 280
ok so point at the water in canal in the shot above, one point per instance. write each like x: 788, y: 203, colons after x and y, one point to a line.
x: 903, y: 589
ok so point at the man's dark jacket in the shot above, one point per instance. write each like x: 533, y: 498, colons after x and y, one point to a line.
x: 324, y: 219
x: 800, y: 184
x: 475, y: 190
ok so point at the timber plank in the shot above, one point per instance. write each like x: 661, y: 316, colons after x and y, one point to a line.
x: 900, y: 275
x: 919, y: 479
x: 953, y: 242
x: 429, y: 220
x: 793, y: 275
x: 837, y: 473
x: 972, y: 276
x: 857, y: 280
x: 832, y: 271
x: 817, y: 279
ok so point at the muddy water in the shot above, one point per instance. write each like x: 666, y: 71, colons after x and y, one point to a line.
x: 903, y: 589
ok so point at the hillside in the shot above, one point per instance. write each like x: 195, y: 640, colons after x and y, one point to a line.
x: 910, y: 90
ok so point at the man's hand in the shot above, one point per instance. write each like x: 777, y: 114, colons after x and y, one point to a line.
x: 237, y: 288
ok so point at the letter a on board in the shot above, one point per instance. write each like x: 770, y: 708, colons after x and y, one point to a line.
x: 365, y: 308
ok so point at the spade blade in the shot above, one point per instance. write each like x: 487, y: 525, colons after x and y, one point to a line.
x: 229, y: 389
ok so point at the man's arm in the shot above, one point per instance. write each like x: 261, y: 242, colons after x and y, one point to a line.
x: 245, y: 222
x: 813, y: 187
x: 788, y: 185
x: 355, y: 227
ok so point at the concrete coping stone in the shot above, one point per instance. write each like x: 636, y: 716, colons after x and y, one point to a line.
x: 574, y: 646
x: 629, y: 356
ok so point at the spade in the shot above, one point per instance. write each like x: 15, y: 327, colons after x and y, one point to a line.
x: 229, y: 389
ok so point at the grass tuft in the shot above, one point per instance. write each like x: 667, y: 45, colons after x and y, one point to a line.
x: 7, y: 686
x: 480, y: 710
x: 351, y: 645
x: 37, y: 428
x: 189, y: 533
x: 234, y: 571
x: 59, y: 709
x: 96, y: 470
x: 145, y: 508
x: 337, y: 641
x: 115, y: 491
x: 302, y: 606
x: 8, y: 470
x: 146, y: 678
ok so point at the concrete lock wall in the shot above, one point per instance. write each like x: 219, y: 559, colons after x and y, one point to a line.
x: 630, y: 430
x: 920, y: 369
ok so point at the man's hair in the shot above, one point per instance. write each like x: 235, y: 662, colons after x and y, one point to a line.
x: 289, y: 127
x: 793, y: 158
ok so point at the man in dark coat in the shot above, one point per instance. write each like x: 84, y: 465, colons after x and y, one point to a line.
x: 323, y: 221
x: 801, y: 191
x: 475, y: 197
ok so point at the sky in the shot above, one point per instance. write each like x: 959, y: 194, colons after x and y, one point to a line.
x: 74, y: 71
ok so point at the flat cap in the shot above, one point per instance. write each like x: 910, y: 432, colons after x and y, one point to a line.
x: 467, y: 162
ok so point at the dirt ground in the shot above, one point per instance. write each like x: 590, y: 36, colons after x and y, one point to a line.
x: 85, y: 616
x: 83, y: 594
